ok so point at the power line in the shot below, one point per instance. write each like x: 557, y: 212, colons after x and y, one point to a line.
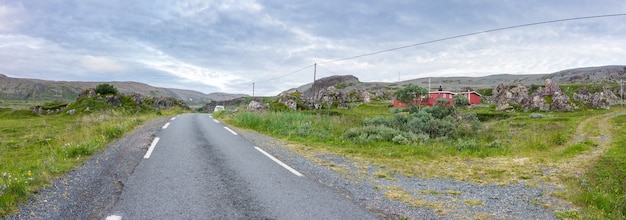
x: 333, y: 72
x: 291, y: 73
x: 470, y: 34
x: 441, y: 39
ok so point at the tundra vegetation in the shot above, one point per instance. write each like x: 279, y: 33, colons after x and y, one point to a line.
x: 480, y: 145
x: 34, y: 149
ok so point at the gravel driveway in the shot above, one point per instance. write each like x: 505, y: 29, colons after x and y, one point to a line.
x: 93, y: 188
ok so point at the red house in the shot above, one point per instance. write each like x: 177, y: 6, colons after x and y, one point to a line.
x: 473, y: 96
x: 430, y: 100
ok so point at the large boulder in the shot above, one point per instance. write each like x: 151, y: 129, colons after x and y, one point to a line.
x: 257, y: 106
x: 290, y: 99
x: 596, y: 100
x: 331, y: 96
x: 88, y: 93
x: 547, y: 98
x: 114, y: 100
x: 505, y: 94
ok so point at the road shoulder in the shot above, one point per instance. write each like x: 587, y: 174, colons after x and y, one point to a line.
x: 89, y: 191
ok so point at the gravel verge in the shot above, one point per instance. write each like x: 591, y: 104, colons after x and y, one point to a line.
x: 371, y: 187
x: 90, y: 190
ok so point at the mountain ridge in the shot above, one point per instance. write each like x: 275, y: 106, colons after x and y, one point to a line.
x: 37, y: 89
x: 458, y: 83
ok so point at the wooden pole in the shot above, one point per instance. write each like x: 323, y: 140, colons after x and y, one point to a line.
x: 313, y: 85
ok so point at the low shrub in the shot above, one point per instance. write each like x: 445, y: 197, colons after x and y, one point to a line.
x: 537, y: 115
x: 113, y: 132
x: 278, y: 107
x: 468, y: 144
x: 368, y: 134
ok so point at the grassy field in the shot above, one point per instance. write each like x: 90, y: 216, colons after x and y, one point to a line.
x: 35, y: 149
x: 511, y: 147
x: 18, y: 104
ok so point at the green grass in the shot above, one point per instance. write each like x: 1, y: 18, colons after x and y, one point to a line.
x: 19, y: 104
x: 516, y: 134
x: 511, y: 147
x: 601, y: 191
x: 35, y: 149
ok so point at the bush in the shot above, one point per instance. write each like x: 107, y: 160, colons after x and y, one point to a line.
x: 495, y: 144
x: 399, y: 139
x: 442, y: 102
x: 446, y: 127
x: 378, y: 121
x: 304, y: 129
x: 278, y: 107
x: 460, y: 101
x: 105, y: 89
x: 113, y: 132
x: 419, y: 122
x: 428, y: 122
x: 466, y: 145
x: 537, y: 115
x: 439, y: 111
x: 368, y: 134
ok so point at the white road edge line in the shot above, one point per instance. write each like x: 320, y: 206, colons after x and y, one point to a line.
x: 231, y: 131
x: 114, y: 217
x: 292, y: 170
x: 216, y: 121
x: 173, y: 119
x: 154, y: 143
x: 166, y: 125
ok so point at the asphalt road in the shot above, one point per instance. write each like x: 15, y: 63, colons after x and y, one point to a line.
x: 197, y: 168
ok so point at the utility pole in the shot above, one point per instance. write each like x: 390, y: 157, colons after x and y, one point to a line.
x: 252, y: 89
x: 313, y: 85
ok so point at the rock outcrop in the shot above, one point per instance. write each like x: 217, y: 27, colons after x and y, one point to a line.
x: 548, y: 98
x: 257, y: 106
x: 602, y: 99
x: 290, y: 99
x: 504, y: 94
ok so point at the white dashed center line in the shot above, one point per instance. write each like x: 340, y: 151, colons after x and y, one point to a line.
x: 292, y: 170
x: 231, y: 131
x: 114, y: 217
x: 154, y: 143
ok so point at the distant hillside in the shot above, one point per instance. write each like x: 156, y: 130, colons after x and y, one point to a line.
x: 35, y: 89
x: 578, y: 75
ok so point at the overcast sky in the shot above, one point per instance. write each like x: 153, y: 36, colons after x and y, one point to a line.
x: 225, y: 46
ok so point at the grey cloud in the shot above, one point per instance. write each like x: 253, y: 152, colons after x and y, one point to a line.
x: 226, y: 45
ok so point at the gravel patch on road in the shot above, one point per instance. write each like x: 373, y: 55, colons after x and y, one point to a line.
x: 90, y: 190
x: 379, y: 190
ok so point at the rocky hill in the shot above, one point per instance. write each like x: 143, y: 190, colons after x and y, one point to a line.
x: 578, y: 75
x: 35, y: 89
x: 341, y: 90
